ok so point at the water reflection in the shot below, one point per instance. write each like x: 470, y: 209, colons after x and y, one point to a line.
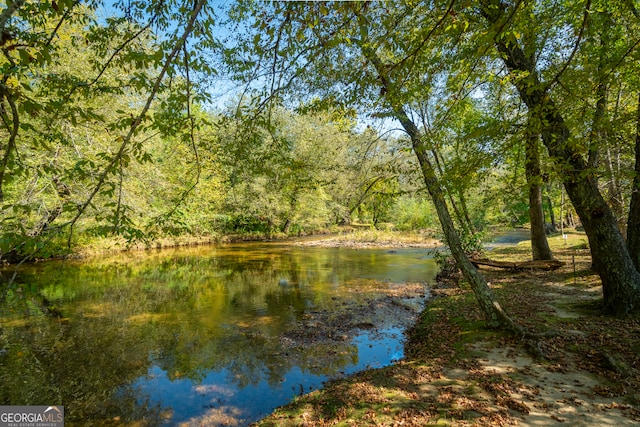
x: 214, y: 335
x: 508, y: 238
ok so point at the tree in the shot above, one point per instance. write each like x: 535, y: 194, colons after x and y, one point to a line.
x: 633, y: 223
x: 45, y: 100
x: 308, y: 41
x: 299, y: 172
x: 463, y: 142
x: 620, y: 279
x: 539, y: 245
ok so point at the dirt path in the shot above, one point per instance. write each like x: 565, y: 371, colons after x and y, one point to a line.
x: 540, y: 396
x: 574, y: 384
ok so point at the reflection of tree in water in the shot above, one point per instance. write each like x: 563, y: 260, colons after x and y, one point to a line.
x: 80, y: 362
x: 190, y: 316
x: 76, y: 364
x: 251, y: 358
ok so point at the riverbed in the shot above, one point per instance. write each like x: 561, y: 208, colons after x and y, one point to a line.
x: 219, y: 335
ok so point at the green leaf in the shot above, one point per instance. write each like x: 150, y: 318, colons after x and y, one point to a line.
x: 25, y: 57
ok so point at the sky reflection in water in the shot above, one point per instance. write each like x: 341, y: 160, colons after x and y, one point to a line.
x: 225, y: 402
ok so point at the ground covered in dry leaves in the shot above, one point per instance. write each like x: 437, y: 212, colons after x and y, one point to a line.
x: 456, y: 372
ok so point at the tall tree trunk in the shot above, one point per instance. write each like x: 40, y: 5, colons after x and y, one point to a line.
x: 539, y: 245
x: 611, y: 259
x: 633, y: 223
x: 493, y: 313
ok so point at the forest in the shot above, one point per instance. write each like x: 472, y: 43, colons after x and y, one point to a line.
x: 134, y: 121
x: 128, y: 124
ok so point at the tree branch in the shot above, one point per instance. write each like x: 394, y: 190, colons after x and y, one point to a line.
x: 138, y: 120
x: 8, y: 13
x: 64, y: 17
x: 427, y: 38
x: 585, y: 19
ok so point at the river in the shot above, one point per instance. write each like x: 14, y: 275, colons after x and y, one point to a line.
x: 217, y: 335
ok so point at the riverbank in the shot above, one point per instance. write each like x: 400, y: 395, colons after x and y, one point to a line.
x: 85, y: 246
x: 339, y: 237
x: 374, y: 239
x: 456, y: 372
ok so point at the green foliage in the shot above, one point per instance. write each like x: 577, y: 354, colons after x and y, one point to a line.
x: 303, y: 172
x: 15, y: 246
x: 75, y: 95
x: 107, y: 127
x: 413, y: 213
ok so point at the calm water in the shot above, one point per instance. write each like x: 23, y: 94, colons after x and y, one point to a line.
x: 193, y: 336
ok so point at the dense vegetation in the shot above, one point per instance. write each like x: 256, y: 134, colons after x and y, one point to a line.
x: 138, y: 120
x: 89, y: 151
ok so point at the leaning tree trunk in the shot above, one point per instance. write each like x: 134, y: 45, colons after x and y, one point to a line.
x: 494, y: 315
x: 539, y: 245
x: 611, y: 259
